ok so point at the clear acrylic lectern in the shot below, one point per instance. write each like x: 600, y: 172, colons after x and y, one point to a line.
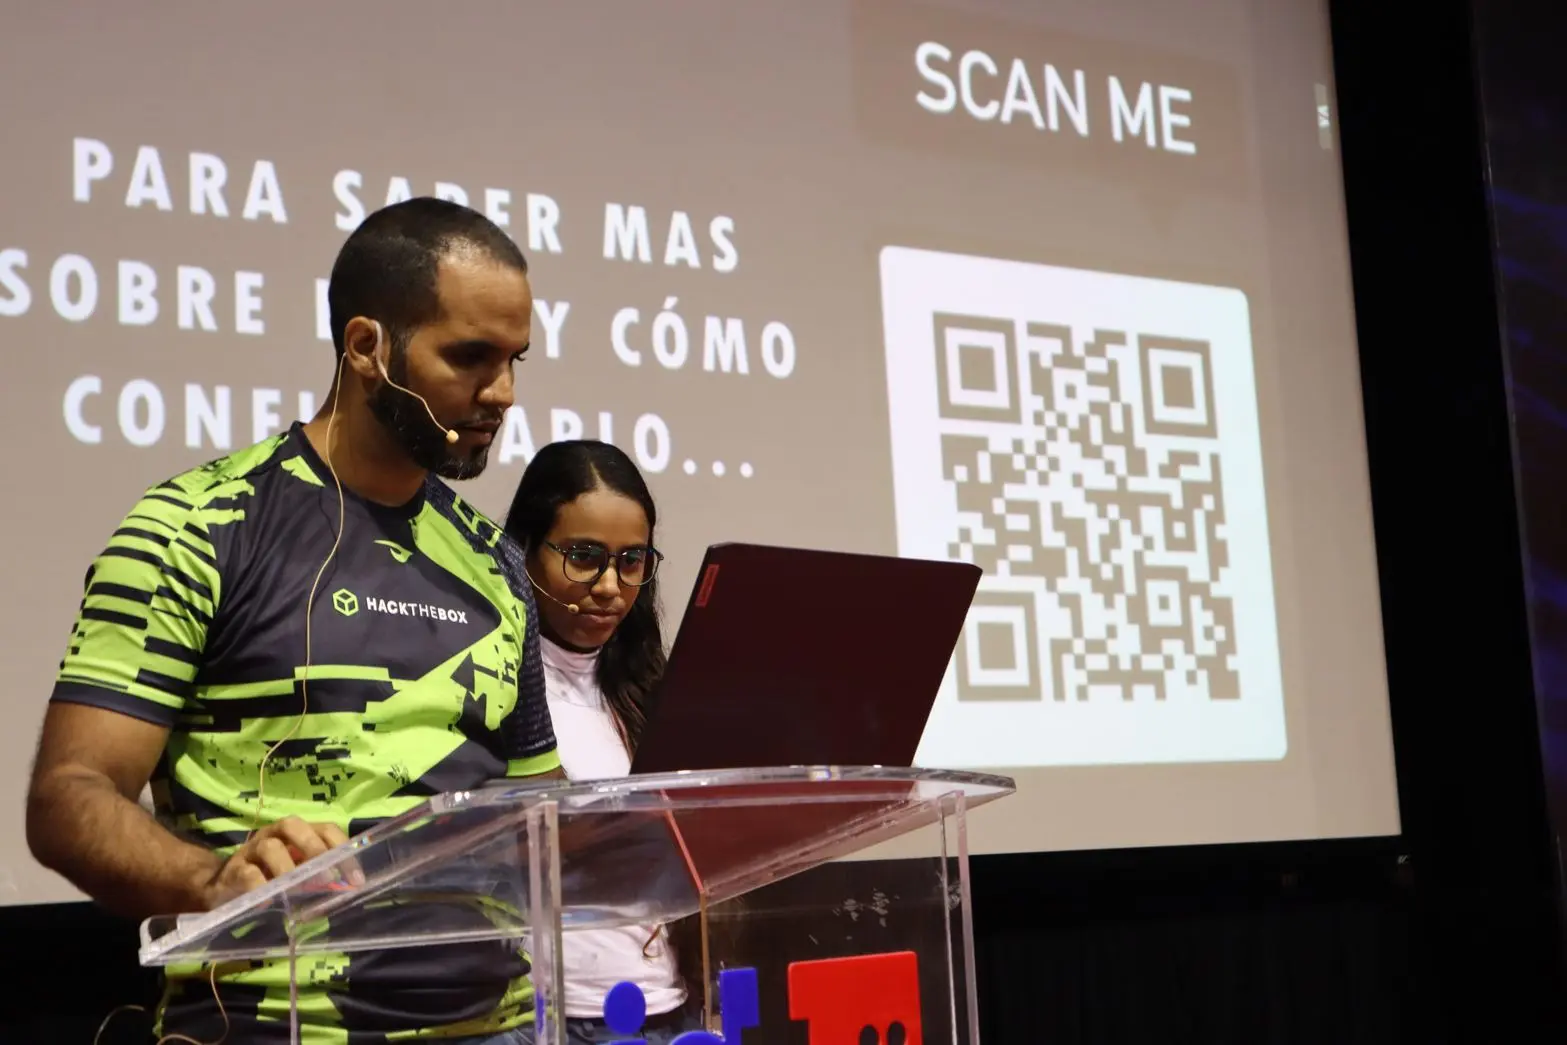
x: 833, y: 896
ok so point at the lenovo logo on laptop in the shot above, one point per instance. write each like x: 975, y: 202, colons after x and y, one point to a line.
x: 839, y: 998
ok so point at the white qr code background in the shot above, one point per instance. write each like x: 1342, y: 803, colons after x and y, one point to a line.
x: 1091, y: 441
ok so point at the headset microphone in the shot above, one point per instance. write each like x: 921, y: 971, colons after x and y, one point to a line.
x: 451, y: 433
x: 573, y: 607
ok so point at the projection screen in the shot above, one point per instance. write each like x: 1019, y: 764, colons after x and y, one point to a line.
x: 1060, y: 289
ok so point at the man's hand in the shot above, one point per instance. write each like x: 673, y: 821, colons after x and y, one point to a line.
x: 270, y: 853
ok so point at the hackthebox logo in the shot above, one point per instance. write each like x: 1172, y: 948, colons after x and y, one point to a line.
x: 349, y: 604
x: 1091, y: 441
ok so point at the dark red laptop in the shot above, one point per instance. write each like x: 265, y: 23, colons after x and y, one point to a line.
x: 789, y: 656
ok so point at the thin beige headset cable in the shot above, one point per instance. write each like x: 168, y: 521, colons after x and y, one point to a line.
x: 304, y: 694
x: 342, y: 518
x: 304, y: 682
x: 213, y: 981
x: 304, y: 709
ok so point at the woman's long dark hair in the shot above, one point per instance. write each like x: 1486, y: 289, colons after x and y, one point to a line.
x: 632, y: 661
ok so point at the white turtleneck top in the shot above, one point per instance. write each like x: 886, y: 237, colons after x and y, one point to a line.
x: 590, y: 749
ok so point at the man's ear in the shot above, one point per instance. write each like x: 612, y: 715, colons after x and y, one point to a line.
x: 362, y: 346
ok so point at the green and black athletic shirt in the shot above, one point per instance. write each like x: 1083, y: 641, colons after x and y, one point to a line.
x: 425, y: 678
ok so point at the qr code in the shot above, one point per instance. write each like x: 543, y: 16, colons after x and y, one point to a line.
x: 1091, y: 441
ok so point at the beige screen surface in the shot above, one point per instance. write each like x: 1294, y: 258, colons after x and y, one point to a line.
x: 1059, y: 288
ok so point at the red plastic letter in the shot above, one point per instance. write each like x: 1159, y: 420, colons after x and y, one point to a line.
x: 842, y: 996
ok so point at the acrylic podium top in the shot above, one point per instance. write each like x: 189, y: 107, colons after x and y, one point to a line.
x: 633, y: 850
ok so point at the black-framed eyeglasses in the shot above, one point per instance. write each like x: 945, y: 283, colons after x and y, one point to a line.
x: 586, y: 563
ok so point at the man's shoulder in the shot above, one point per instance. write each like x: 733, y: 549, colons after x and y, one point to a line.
x: 217, y: 487
x: 493, y: 548
x: 477, y: 528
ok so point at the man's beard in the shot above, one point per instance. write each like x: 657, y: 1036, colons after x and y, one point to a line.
x: 404, y: 417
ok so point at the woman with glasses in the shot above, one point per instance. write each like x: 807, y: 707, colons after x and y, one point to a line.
x: 583, y: 514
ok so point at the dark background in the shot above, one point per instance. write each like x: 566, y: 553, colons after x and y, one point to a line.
x: 1456, y: 174
x: 1524, y: 99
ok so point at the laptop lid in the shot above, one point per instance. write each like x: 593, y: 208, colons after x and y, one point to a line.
x: 789, y: 656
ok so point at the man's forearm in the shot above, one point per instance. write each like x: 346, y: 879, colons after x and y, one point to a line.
x: 81, y: 827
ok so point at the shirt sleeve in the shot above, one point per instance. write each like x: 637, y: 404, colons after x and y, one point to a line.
x: 527, y: 733
x: 147, y: 604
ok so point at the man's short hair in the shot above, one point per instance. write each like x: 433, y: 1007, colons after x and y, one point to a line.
x: 388, y: 265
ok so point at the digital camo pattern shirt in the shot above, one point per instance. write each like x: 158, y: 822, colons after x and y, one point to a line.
x: 425, y: 677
